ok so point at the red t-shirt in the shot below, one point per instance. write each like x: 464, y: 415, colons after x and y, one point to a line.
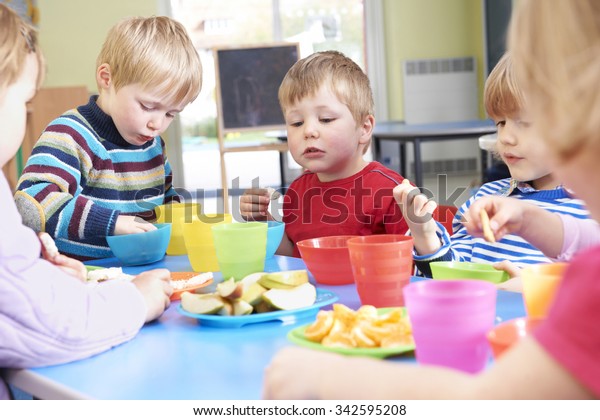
x: 362, y: 204
x: 571, y: 334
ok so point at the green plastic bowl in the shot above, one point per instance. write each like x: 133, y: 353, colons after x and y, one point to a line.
x: 452, y: 270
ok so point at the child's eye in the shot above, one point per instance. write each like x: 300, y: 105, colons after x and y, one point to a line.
x: 501, y: 123
x: 145, y: 108
x: 296, y: 124
x: 326, y: 120
x: 170, y: 115
x: 524, y: 124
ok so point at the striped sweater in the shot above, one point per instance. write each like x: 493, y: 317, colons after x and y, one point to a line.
x: 464, y: 247
x: 82, y: 175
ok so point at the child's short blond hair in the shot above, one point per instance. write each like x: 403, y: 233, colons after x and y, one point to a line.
x: 155, y: 52
x: 17, y: 40
x: 557, y: 60
x: 502, y: 96
x: 342, y: 75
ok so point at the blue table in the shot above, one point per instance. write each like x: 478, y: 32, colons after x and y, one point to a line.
x: 419, y: 133
x: 176, y: 358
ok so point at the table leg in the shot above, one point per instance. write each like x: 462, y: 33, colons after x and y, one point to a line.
x: 403, y: 160
x: 282, y: 171
x: 376, y: 148
x: 418, y: 163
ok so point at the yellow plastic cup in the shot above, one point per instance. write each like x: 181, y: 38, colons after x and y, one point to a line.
x: 199, y: 241
x: 540, y: 283
x: 241, y: 248
x: 177, y: 214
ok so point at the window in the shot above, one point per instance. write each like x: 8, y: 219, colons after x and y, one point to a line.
x: 214, y: 23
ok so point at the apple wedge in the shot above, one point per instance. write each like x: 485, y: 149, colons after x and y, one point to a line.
x: 284, y: 279
x: 295, y: 298
x: 201, y: 304
x: 253, y: 294
x: 230, y: 289
x: 241, y: 307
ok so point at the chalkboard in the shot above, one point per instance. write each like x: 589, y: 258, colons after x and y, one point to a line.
x: 248, y: 81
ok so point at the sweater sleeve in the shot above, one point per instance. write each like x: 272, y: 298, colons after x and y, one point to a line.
x: 49, y: 191
x: 48, y: 317
x: 578, y: 234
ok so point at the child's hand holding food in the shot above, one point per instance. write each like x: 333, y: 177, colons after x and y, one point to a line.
x: 417, y: 210
x: 505, y: 215
x: 69, y: 265
x: 155, y: 287
x: 254, y: 203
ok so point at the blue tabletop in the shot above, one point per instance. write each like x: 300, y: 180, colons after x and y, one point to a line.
x: 175, y: 357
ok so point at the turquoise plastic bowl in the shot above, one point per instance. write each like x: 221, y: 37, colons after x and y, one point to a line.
x: 455, y: 270
x: 275, y: 232
x: 141, y: 248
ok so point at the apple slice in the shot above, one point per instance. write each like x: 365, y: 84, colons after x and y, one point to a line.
x: 285, y: 278
x: 253, y: 294
x: 230, y: 289
x: 241, y: 307
x: 287, y: 299
x: 227, y: 309
x: 201, y: 304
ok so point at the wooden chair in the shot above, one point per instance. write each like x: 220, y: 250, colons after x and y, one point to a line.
x: 278, y: 146
x: 47, y: 104
x: 445, y: 215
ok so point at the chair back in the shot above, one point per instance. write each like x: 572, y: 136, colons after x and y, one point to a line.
x: 445, y: 214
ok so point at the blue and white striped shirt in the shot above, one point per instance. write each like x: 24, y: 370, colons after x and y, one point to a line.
x: 464, y: 247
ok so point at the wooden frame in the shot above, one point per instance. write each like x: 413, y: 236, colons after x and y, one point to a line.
x: 49, y: 103
x: 247, y: 84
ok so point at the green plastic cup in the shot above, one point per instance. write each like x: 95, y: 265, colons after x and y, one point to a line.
x: 241, y: 248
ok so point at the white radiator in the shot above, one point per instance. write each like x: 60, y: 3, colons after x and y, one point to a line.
x: 440, y: 90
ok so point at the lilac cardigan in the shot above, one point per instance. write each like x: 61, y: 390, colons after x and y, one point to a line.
x: 48, y: 317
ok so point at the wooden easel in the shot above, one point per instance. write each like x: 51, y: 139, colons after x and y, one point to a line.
x: 247, y: 97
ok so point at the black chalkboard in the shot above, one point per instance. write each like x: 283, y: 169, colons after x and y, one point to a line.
x: 248, y: 80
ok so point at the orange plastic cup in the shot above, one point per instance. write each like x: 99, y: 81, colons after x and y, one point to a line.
x: 540, y: 282
x: 506, y: 334
x: 382, y: 266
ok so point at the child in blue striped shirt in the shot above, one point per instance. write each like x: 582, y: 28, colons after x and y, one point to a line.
x: 531, y: 181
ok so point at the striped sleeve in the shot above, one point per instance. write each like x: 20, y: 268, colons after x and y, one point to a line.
x: 49, y: 190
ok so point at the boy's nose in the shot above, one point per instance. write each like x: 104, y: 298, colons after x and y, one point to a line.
x: 507, y: 136
x: 310, y: 131
x: 155, y: 124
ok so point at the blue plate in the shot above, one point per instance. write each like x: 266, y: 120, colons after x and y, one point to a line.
x: 324, y: 298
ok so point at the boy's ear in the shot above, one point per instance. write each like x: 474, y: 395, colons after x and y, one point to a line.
x: 367, y: 129
x: 103, y: 76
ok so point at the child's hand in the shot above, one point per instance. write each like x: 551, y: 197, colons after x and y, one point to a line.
x: 254, y: 204
x: 69, y: 265
x: 509, y: 267
x: 417, y: 210
x: 155, y: 287
x: 132, y: 224
x: 306, y: 367
x: 506, y: 216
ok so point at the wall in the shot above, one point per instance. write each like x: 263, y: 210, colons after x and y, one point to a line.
x: 72, y: 33
x: 421, y: 29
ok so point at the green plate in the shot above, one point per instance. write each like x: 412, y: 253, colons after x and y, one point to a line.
x: 296, y: 336
x: 93, y: 267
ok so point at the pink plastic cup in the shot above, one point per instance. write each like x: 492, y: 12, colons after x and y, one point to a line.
x: 381, y: 266
x: 450, y: 320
